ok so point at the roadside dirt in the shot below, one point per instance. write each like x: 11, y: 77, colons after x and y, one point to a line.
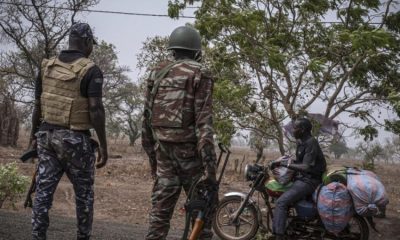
x: 122, y: 199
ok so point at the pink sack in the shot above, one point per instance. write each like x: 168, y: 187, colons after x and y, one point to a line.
x: 334, y: 207
x: 368, y: 193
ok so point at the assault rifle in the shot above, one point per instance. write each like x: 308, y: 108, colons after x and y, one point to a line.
x: 202, y: 198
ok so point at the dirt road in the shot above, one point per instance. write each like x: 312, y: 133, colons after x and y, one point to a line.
x: 16, y: 226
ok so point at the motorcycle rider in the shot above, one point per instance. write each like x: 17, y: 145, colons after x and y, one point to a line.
x: 309, y: 166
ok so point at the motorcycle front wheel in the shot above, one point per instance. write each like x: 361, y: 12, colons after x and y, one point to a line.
x: 244, y: 229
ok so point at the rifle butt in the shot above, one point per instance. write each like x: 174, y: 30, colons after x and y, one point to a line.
x: 198, y: 226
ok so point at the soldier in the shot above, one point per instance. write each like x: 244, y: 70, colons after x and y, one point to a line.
x: 68, y: 104
x: 178, y: 129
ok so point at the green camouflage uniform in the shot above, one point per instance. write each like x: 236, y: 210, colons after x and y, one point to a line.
x: 178, y: 138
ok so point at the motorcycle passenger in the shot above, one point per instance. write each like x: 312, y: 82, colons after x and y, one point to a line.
x: 309, y: 165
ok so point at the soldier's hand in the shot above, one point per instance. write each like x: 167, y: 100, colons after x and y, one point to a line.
x: 209, y: 179
x: 102, y: 157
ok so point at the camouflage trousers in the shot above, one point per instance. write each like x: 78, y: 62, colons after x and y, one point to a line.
x: 172, y: 176
x: 59, y: 152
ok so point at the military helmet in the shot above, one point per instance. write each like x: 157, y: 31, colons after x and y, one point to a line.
x: 185, y: 37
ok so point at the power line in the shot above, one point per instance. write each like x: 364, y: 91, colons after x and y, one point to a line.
x: 133, y: 13
x: 95, y: 11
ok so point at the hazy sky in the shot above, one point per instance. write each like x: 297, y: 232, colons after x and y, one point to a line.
x: 127, y: 32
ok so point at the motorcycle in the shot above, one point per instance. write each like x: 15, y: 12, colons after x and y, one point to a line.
x: 239, y: 217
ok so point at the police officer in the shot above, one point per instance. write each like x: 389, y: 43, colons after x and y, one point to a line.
x: 68, y: 104
x: 177, y: 129
x: 310, y: 164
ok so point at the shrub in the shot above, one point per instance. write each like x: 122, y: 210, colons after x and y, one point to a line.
x: 12, y: 184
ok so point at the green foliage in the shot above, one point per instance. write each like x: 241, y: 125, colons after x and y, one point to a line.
x: 289, y: 59
x: 286, y: 52
x: 12, y: 184
x: 224, y: 129
x: 393, y: 126
x: 368, y: 132
x: 393, y: 22
x: 174, y: 8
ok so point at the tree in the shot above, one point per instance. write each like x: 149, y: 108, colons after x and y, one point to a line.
x: 371, y: 152
x: 34, y: 29
x: 338, y: 148
x: 128, y: 117
x: 286, y: 59
x: 258, y: 144
x: 123, y: 98
x: 392, y: 149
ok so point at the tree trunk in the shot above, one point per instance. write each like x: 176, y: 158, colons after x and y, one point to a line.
x: 280, y: 137
x: 9, y: 123
x: 260, y: 153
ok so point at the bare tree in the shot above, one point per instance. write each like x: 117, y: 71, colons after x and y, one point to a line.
x: 123, y: 99
x: 34, y: 30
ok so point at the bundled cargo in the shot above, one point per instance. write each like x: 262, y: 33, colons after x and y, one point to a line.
x: 282, y: 174
x: 357, y: 171
x: 335, y: 173
x: 334, y: 207
x: 368, y: 193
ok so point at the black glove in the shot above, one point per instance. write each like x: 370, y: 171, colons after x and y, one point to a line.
x: 209, y: 178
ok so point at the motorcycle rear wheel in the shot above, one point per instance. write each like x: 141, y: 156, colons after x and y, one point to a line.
x: 246, y: 227
x: 356, y: 230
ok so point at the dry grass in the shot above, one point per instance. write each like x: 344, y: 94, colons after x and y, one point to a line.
x: 123, y: 187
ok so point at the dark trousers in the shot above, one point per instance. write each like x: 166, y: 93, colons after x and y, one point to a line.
x: 298, y: 191
x: 64, y: 151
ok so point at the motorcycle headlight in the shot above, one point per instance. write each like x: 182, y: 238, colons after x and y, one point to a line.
x: 251, y: 171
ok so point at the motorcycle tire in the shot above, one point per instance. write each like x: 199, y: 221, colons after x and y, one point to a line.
x: 223, y: 229
x: 363, y: 227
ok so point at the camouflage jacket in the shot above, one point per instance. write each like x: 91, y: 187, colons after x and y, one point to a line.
x: 182, y: 108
